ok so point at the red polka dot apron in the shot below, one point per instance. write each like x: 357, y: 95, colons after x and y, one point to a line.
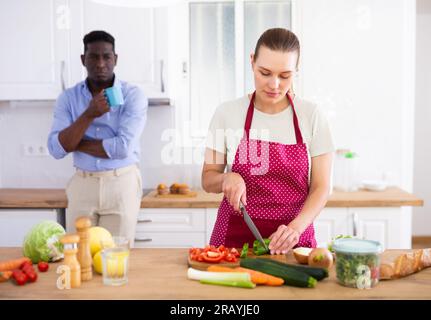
x: 276, y: 176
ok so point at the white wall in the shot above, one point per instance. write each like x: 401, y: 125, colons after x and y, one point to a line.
x: 422, y: 168
x: 357, y: 63
x: 24, y: 123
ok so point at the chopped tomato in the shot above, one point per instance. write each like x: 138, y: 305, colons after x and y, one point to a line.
x: 213, y: 257
x: 213, y: 254
x: 230, y: 258
x: 235, y: 252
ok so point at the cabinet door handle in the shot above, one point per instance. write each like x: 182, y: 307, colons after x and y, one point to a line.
x: 145, y: 220
x: 62, y: 67
x: 185, y: 69
x: 162, y: 82
x: 355, y: 224
x: 144, y: 239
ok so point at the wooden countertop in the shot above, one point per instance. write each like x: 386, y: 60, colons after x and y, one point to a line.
x: 56, y: 198
x: 162, y: 274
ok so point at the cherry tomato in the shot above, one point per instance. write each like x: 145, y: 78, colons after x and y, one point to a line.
x: 43, y: 266
x: 32, y: 276
x: 26, y: 263
x: 20, y: 277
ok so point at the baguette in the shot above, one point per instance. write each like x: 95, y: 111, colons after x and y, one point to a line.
x: 397, y: 263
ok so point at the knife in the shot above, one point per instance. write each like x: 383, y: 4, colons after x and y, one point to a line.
x: 251, y: 225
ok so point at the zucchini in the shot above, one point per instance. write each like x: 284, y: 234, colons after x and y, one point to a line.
x: 316, y: 273
x: 290, y: 276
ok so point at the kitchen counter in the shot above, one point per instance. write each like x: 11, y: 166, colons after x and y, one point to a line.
x: 162, y: 274
x: 56, y: 199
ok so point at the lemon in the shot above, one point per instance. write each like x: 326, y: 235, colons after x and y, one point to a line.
x: 116, y: 263
x: 98, y: 234
x: 97, y: 262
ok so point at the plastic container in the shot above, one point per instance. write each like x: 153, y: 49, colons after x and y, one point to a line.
x: 357, y: 262
x: 345, y: 171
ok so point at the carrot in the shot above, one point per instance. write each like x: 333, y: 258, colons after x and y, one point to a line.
x: 216, y: 268
x: 256, y: 276
x: 5, y: 275
x: 10, y: 265
x: 266, y: 279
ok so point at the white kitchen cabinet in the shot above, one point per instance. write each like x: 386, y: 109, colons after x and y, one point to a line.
x: 211, y: 216
x: 34, y: 36
x: 42, y: 54
x: 171, y: 220
x: 391, y: 226
x: 172, y: 228
x: 175, y: 227
x: 140, y: 41
x: 186, y: 227
x: 331, y: 222
x: 15, y: 223
x: 169, y: 239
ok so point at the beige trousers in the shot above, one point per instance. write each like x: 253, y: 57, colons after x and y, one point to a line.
x: 111, y: 199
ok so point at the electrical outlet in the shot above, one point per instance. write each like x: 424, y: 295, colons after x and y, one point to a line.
x: 35, y: 150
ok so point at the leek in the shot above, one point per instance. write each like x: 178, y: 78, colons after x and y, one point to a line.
x: 230, y: 283
x: 194, y: 274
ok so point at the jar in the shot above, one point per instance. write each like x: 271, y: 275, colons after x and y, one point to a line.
x: 357, y: 262
x: 345, y: 170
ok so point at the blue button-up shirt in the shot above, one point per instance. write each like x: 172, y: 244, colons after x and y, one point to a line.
x: 119, y: 129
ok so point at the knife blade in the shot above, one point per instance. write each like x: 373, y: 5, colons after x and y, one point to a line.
x: 251, y: 225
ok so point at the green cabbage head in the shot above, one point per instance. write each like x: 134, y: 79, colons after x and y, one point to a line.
x: 42, y: 242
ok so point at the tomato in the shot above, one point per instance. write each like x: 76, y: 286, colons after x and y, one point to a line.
x: 230, y: 258
x: 235, y: 252
x: 20, y: 277
x: 43, y: 266
x: 26, y: 263
x: 32, y: 276
x: 213, y: 254
x: 375, y: 273
x: 27, y: 267
x: 213, y: 257
x: 201, y: 257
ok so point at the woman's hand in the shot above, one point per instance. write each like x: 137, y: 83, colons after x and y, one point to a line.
x: 284, y: 239
x: 233, y: 188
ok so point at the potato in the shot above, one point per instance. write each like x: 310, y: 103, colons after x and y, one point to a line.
x: 321, y: 258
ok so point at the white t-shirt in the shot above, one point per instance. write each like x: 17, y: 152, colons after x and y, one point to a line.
x: 227, y: 127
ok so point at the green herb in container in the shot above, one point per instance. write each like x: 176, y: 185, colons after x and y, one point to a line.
x: 357, y: 262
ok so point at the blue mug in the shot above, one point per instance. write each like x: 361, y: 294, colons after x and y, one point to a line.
x: 114, y: 96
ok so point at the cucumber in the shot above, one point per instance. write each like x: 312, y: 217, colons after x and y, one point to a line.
x: 290, y: 276
x: 316, y: 273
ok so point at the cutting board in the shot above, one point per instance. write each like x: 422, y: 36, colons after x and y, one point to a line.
x: 191, y: 194
x: 203, y: 265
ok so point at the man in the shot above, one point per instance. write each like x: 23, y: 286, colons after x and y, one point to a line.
x: 104, y: 140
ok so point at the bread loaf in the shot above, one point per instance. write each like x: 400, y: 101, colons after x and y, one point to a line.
x: 400, y: 263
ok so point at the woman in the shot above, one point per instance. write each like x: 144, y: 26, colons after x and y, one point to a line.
x: 279, y: 165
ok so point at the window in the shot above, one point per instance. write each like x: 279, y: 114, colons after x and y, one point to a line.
x: 220, y: 37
